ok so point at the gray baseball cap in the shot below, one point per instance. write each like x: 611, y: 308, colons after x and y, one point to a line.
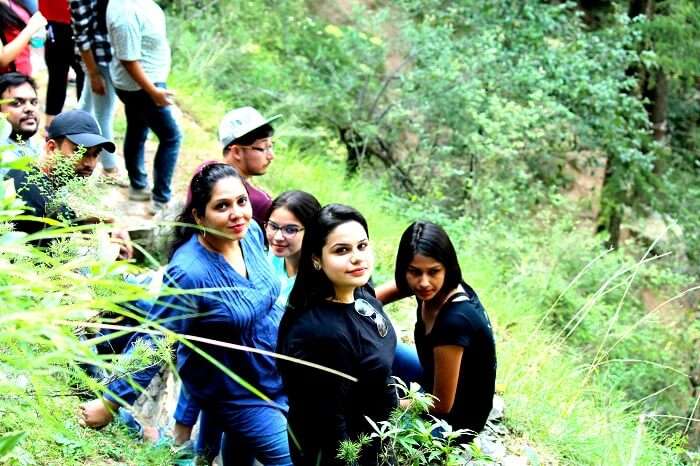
x: 241, y: 121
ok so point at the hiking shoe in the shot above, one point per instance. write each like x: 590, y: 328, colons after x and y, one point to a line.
x: 139, y: 194
x: 157, y: 208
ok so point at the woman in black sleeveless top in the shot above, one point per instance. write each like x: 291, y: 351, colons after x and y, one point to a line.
x: 453, y: 334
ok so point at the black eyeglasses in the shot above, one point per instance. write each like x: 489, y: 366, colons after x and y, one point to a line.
x: 262, y: 150
x: 365, y: 309
x: 288, y: 231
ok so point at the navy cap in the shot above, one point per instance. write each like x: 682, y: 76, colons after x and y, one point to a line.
x: 80, y: 128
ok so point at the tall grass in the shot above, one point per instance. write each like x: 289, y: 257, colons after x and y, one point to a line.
x: 555, y: 396
x: 43, y: 299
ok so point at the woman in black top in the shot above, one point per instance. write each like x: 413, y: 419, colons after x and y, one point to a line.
x: 453, y: 334
x: 333, y: 319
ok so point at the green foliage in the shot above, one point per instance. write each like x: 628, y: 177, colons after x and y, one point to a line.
x: 574, y: 396
x: 9, y: 441
x: 349, y: 450
x: 674, y: 33
x: 409, y: 436
x: 46, y: 302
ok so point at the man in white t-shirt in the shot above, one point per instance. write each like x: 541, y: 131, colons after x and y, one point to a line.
x: 139, y: 69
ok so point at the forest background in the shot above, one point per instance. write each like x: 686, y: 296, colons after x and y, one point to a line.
x: 556, y: 141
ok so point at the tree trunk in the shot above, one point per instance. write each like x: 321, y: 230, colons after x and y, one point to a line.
x: 640, y: 7
x: 353, y: 146
x: 614, y: 227
x: 656, y: 93
x: 659, y: 111
x: 592, y: 11
x: 610, y: 216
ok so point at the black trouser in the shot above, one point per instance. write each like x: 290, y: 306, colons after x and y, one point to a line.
x: 60, y: 55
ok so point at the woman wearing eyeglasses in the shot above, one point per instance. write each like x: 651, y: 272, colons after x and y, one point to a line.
x: 333, y: 319
x: 453, y: 333
x: 290, y: 214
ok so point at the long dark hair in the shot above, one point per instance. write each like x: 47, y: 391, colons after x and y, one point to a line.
x: 313, y: 286
x: 430, y: 240
x: 301, y: 204
x: 8, y: 18
x: 201, y: 186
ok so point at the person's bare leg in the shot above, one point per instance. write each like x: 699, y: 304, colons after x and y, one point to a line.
x: 181, y: 433
x: 150, y: 434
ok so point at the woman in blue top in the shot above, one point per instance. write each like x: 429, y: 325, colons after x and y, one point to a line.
x: 226, y: 258
x: 290, y: 214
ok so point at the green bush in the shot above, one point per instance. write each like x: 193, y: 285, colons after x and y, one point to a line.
x: 45, y: 300
x: 480, y: 120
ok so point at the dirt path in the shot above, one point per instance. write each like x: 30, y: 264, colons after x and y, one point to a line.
x: 198, y: 145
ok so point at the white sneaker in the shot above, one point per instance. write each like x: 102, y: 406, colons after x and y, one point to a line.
x: 139, y: 194
x: 157, y: 208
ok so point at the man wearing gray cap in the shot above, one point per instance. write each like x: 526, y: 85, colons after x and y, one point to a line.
x: 246, y: 137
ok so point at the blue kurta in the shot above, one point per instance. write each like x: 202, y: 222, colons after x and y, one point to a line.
x: 233, y: 309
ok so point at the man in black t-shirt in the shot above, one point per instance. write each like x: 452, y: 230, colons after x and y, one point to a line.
x: 72, y: 149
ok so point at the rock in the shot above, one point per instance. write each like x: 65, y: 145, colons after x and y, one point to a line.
x: 491, y: 447
x: 532, y: 456
x: 498, y: 429
x: 498, y: 409
x: 513, y: 460
x: 22, y: 381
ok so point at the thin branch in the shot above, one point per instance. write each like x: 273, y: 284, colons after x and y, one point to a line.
x: 210, y: 342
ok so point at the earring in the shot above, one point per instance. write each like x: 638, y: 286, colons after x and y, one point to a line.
x: 317, y: 266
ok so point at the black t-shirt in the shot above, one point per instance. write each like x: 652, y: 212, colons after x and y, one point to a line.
x: 325, y: 409
x: 462, y: 323
x: 34, y: 187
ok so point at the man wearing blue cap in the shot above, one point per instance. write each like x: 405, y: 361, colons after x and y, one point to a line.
x: 70, y: 133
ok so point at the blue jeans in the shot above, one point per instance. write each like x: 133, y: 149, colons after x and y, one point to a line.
x: 102, y: 108
x: 253, y: 432
x: 406, y: 364
x: 31, y: 5
x: 143, y: 114
x: 209, y: 440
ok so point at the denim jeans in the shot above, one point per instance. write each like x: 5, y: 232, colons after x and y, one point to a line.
x: 143, y: 114
x: 209, y: 440
x: 253, y: 433
x: 32, y: 6
x: 406, y: 364
x: 102, y: 108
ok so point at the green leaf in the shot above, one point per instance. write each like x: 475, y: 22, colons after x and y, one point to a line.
x: 9, y: 441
